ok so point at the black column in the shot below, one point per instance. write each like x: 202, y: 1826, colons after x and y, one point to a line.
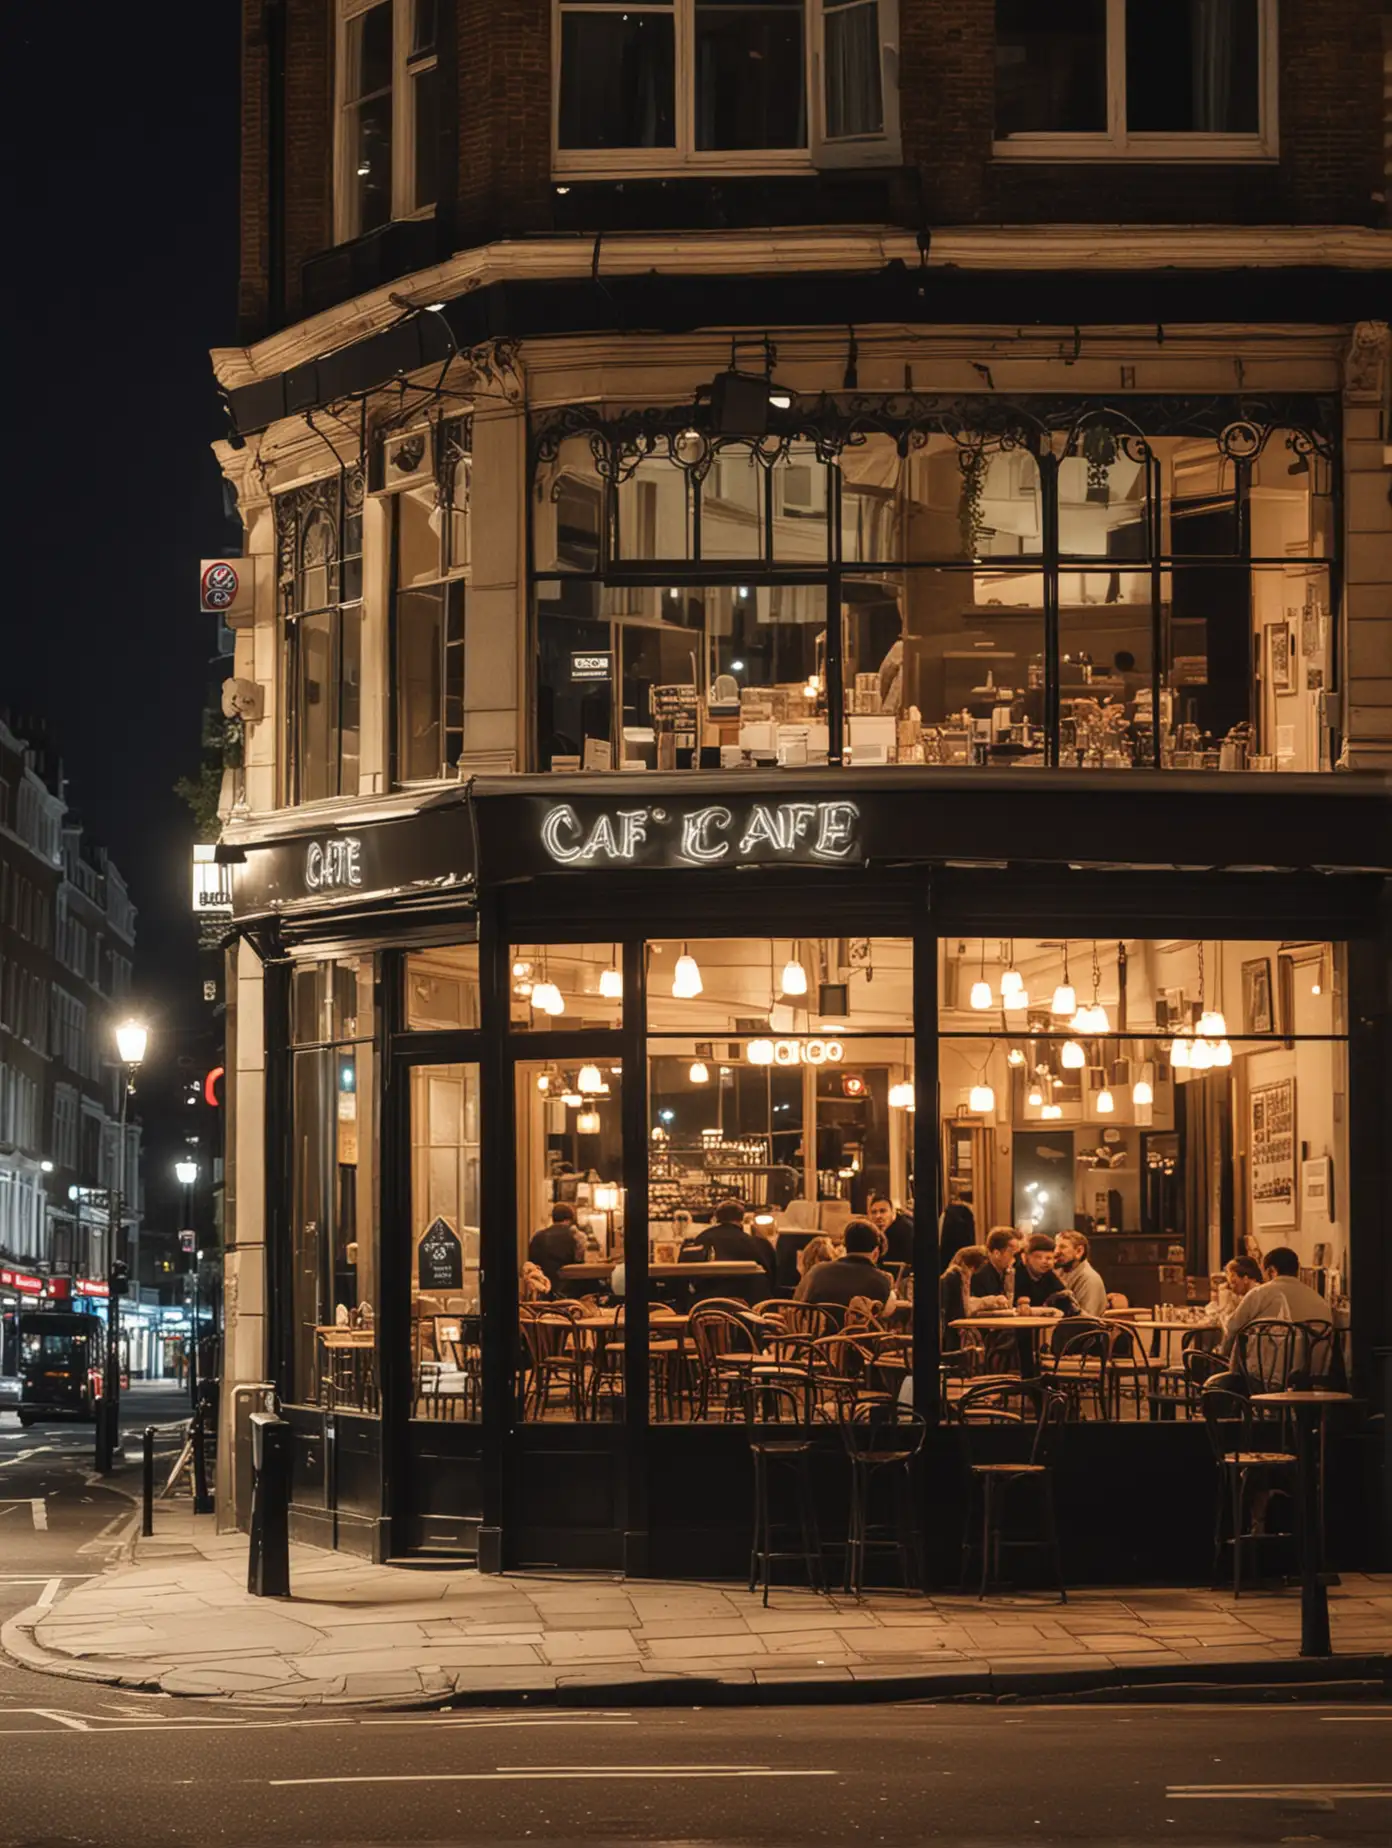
x: 1369, y: 1005
x: 394, y: 1249
x: 277, y: 1144
x: 635, y: 1172
x: 926, y: 1146
x: 498, y: 1241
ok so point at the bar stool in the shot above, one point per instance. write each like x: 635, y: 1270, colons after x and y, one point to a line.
x: 990, y: 1484
x: 780, y: 1445
x: 883, y: 1443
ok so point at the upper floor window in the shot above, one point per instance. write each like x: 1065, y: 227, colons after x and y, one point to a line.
x: 726, y: 84
x: 388, y: 112
x: 431, y: 469
x: 319, y: 594
x: 1153, y: 79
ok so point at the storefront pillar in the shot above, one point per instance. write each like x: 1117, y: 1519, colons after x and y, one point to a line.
x: 927, y: 1143
x: 497, y: 1234
x: 636, y: 1356
x: 1369, y: 1140
x: 394, y: 1369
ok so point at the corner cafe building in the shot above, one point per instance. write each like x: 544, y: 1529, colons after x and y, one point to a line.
x: 640, y: 995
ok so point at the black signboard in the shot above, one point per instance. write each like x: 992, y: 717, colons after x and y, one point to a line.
x: 432, y: 850
x: 441, y: 1259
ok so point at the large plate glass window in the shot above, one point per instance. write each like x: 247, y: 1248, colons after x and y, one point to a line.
x: 1152, y: 78
x: 388, y: 112
x: 724, y: 83
x: 333, y: 1186
x: 319, y: 596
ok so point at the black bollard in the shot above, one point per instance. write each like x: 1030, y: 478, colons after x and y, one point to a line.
x: 147, y: 1498
x: 268, y: 1561
x: 202, y: 1500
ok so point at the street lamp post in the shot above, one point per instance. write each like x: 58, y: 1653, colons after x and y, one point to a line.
x: 186, y: 1173
x: 131, y: 1041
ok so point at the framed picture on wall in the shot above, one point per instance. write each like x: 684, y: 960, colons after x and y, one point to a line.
x: 1272, y: 1153
x: 1257, y: 1016
x: 1278, y: 656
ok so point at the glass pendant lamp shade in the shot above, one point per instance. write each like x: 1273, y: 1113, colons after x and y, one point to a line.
x: 1141, y: 1092
x: 1179, y: 1053
x: 1065, y: 1000
x: 759, y: 1052
x: 1016, y: 1001
x: 794, y: 978
x: 1212, y: 1025
x: 1014, y: 1056
x: 1200, y: 1056
x: 131, y: 1039
x: 543, y: 1081
x: 1072, y: 1058
x: 981, y: 996
x: 547, y: 999
x: 572, y: 1100
x: 699, y: 1073
x: 901, y: 1095
x: 1052, y: 1111
x: 611, y: 985
x: 1035, y: 1097
x: 589, y: 1080
x: 1010, y: 983
x: 686, y: 977
x: 982, y: 1098
x: 1106, y: 1104
x: 1222, y: 1053
x: 587, y: 1123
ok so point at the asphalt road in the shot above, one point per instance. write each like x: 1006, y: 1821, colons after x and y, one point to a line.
x: 87, y: 1764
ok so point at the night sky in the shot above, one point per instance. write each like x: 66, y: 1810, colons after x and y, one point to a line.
x: 118, y: 274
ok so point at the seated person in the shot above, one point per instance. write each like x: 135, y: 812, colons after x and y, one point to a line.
x: 1282, y: 1297
x: 1036, y: 1280
x: 1082, y: 1282
x: 954, y: 1288
x: 1240, y: 1275
x: 562, y: 1242
x: 855, y: 1274
x: 895, y: 1228
x: 956, y: 1230
x: 725, y: 1241
x: 818, y: 1250
x: 996, y: 1277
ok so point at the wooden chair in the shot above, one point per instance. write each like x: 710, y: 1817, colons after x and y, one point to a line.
x: 554, y: 1359
x: 1076, y: 1362
x: 724, y: 1347
x: 993, y: 1485
x: 1247, y: 1467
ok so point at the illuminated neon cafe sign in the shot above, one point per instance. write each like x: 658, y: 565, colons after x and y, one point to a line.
x: 715, y: 834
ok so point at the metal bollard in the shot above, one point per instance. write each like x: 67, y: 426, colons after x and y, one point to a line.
x: 268, y: 1560
x: 202, y: 1500
x: 147, y: 1497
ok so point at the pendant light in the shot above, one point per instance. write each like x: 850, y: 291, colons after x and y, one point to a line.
x: 1179, y: 1053
x: 1016, y: 1001
x: 982, y: 1098
x: 1015, y: 1056
x: 572, y: 1100
x: 611, y: 983
x: 1072, y: 1058
x: 1065, y: 1001
x: 981, y: 996
x: 1106, y: 1103
x: 1094, y: 1014
x: 699, y: 1074
x: 519, y: 969
x: 794, y: 975
x: 686, y: 977
x: 547, y: 999
x: 901, y: 1095
x: 589, y: 1080
x: 1011, y: 981
x: 587, y: 1123
x: 1201, y: 1056
x: 759, y: 1052
x: 1034, y: 1097
x: 1052, y: 1111
x: 1222, y: 1053
x: 543, y: 1082
x: 1142, y: 1092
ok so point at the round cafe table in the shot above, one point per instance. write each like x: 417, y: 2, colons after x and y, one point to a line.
x: 1032, y: 1325
x: 1309, y: 1410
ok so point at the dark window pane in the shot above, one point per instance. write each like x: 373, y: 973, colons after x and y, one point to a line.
x: 312, y: 643
x: 423, y: 26
x: 426, y: 93
x: 1051, y: 67
x: 369, y: 49
x: 419, y: 659
x: 1191, y: 67
x: 349, y: 700
x: 854, y: 102
x: 310, y: 1208
x: 617, y: 81
x: 749, y: 84
x: 370, y: 153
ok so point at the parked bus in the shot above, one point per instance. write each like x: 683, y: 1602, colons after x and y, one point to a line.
x: 61, y: 1357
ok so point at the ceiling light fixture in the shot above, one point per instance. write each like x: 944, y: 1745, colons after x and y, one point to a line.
x: 901, y: 1095
x: 1065, y: 1001
x: 699, y: 1073
x: 590, y: 1081
x: 1072, y: 1058
x: 981, y: 996
x: 982, y: 1098
x: 686, y: 977
x: 759, y: 1052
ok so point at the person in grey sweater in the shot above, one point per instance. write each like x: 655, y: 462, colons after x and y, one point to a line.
x: 1082, y: 1282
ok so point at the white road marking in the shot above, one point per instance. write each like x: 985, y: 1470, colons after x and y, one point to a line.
x: 49, y: 1593
x: 540, y: 1774
x: 23, y: 1456
x: 1275, y: 1793
x: 38, y: 1508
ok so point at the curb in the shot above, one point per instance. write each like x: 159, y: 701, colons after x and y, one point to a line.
x: 1334, y: 1678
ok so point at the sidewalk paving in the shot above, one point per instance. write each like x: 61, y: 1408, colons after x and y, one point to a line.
x: 177, y: 1617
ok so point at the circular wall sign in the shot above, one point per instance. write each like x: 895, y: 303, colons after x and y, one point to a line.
x: 220, y: 583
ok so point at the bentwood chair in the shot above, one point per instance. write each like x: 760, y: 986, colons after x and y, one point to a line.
x: 1275, y: 1356
x: 1075, y: 1361
x: 1250, y: 1473
x: 994, y: 1485
x: 883, y: 1444
x: 555, y: 1359
x: 780, y: 1449
x: 724, y: 1348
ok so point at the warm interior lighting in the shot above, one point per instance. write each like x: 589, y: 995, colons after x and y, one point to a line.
x: 572, y: 1100
x: 1052, y: 1111
x: 543, y: 1081
x: 794, y: 978
x: 587, y: 1123
x: 1072, y: 1058
x: 760, y: 1052
x: 1106, y: 1104
x: 1035, y: 1097
x: 981, y: 996
x: 1222, y: 1053
x: 901, y: 1095
x: 1200, y: 1056
x: 699, y: 1074
x: 982, y: 1098
x: 686, y: 977
x: 611, y: 985
x: 1015, y: 1056
x: 1179, y: 1053
x: 519, y: 969
x: 1011, y: 981
x: 1141, y: 1092
x: 1212, y: 1025
x: 589, y: 1080
x: 1065, y: 1000
x: 1016, y: 1001
x: 547, y: 999
x: 606, y: 1196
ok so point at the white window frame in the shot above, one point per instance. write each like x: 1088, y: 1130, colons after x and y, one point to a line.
x: 403, y: 146
x: 878, y: 150
x: 1116, y: 143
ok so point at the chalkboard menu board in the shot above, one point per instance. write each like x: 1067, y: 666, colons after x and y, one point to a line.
x: 441, y: 1259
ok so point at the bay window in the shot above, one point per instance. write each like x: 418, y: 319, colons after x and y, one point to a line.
x: 319, y: 597
x: 1153, y: 79
x: 388, y: 112
x: 760, y: 84
x: 431, y: 565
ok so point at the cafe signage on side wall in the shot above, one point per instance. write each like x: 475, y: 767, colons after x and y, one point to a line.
x: 585, y: 833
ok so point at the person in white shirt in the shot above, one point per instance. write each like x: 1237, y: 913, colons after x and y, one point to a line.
x: 1281, y: 1298
x: 1083, y: 1283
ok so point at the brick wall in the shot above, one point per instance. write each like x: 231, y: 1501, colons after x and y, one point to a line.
x: 1330, y: 168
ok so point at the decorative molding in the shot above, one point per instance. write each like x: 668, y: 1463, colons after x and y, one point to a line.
x: 1365, y: 363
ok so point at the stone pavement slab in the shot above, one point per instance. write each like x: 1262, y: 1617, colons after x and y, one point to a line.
x: 176, y: 1616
